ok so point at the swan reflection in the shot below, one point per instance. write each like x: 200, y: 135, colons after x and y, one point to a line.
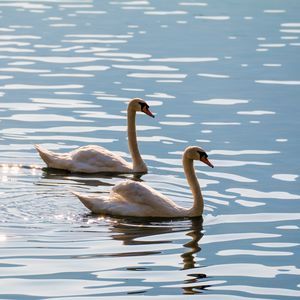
x: 170, y: 246
x: 85, y: 180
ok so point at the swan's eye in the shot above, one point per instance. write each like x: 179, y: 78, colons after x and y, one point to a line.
x: 202, y: 154
x: 143, y: 105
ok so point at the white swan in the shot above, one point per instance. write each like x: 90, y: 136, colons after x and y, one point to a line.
x: 94, y: 159
x: 131, y: 198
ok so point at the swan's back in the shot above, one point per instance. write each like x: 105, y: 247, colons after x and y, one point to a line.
x: 91, y: 159
x: 143, y: 201
x: 86, y: 159
x: 133, y: 199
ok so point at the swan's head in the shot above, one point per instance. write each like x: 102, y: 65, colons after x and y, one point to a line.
x: 197, y: 153
x: 138, y: 104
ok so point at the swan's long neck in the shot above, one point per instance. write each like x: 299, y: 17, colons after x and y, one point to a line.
x: 192, y: 180
x: 137, y: 161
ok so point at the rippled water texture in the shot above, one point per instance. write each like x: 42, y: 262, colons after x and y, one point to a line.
x: 223, y: 75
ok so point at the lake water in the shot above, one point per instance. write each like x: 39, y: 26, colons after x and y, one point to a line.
x: 223, y: 75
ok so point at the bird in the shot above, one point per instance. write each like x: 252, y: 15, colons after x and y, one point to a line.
x: 97, y: 159
x: 130, y: 198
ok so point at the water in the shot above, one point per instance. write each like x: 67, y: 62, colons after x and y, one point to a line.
x: 223, y: 75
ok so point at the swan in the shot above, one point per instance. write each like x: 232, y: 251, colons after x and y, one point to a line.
x: 95, y: 159
x: 136, y: 199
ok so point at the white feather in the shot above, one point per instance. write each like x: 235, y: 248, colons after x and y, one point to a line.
x: 86, y: 159
x: 131, y: 198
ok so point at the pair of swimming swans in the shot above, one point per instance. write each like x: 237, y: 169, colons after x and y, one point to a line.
x: 129, y: 198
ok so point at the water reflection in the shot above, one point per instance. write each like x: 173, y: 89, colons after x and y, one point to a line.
x: 192, y: 246
x: 161, y: 235
x: 62, y: 177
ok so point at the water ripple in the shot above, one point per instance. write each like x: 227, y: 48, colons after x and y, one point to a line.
x: 279, y: 82
x: 259, y: 290
x: 78, y: 63
x: 39, y: 87
x: 259, y: 194
x: 221, y: 101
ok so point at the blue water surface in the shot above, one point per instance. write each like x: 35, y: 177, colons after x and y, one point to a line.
x: 223, y: 75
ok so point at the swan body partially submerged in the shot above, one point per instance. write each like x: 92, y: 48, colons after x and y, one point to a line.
x: 95, y: 159
x: 136, y: 199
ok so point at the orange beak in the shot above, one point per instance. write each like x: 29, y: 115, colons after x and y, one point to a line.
x: 147, y: 112
x: 207, y: 162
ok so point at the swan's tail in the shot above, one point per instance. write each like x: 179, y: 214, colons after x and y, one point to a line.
x: 92, y: 202
x: 47, y: 156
